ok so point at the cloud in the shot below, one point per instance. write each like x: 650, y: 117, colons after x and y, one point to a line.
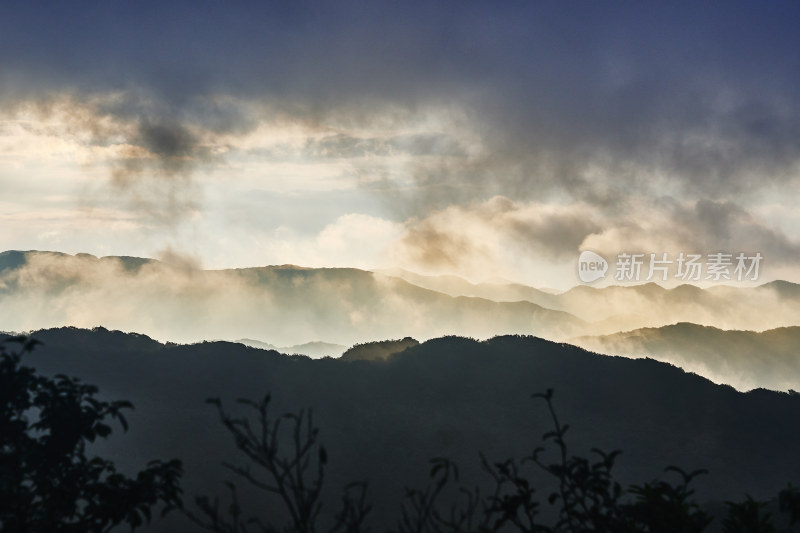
x: 482, y: 239
x: 704, y: 227
x: 150, y: 158
x: 476, y: 239
x: 178, y: 259
x: 431, y: 246
x: 729, y: 226
x: 173, y: 144
x: 601, y: 111
x: 155, y: 169
x: 352, y: 240
x: 342, y: 145
x: 703, y: 96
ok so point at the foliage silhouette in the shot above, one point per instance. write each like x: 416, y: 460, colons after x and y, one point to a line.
x: 661, y: 507
x: 421, y: 513
x: 585, y: 498
x: 295, y: 476
x: 47, y: 482
x: 789, y: 502
x: 748, y: 516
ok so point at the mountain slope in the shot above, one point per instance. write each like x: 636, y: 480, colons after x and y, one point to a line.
x: 288, y: 305
x: 451, y: 397
x: 379, y: 350
x: 283, y: 305
x: 744, y: 359
x: 311, y: 349
x: 622, y: 308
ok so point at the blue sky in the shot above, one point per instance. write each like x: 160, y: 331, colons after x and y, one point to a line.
x: 470, y: 138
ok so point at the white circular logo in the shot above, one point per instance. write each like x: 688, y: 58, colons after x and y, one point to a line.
x: 591, y: 266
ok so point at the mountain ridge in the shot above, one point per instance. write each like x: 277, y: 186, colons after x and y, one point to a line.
x: 746, y: 359
x: 292, y: 305
x: 449, y: 396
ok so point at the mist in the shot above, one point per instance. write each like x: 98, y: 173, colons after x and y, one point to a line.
x: 175, y: 300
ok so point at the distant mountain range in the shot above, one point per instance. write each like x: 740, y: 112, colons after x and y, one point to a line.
x: 289, y: 305
x: 311, y: 349
x: 294, y: 309
x: 453, y: 397
x: 621, y: 308
x: 744, y: 359
x: 282, y: 305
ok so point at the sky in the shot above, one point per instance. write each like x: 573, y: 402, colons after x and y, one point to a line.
x: 486, y: 140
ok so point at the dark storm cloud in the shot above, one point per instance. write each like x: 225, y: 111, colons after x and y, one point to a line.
x: 169, y: 141
x: 724, y: 225
x: 705, y: 95
x: 171, y: 144
x: 155, y: 171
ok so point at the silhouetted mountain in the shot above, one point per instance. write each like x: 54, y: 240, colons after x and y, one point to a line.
x: 744, y: 359
x: 379, y: 350
x: 258, y: 344
x: 383, y: 420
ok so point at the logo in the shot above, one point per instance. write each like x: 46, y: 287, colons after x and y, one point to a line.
x: 591, y: 266
x: 637, y: 266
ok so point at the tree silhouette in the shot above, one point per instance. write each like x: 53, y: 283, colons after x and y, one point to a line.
x: 47, y: 481
x: 748, y: 516
x: 586, y: 499
x: 294, y: 473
